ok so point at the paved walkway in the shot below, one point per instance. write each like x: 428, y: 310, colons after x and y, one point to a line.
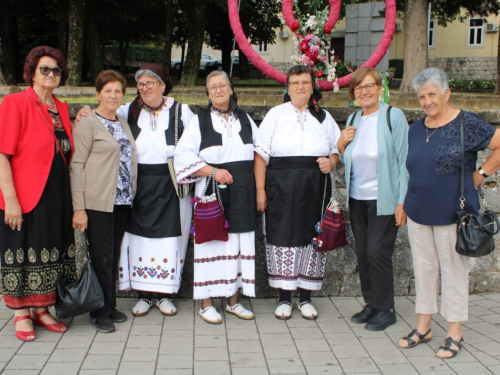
x: 184, y: 344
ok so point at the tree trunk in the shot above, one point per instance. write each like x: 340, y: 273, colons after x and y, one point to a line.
x: 10, y: 47
x: 62, y: 26
x: 497, y: 87
x: 196, y: 36
x: 415, y: 43
x: 226, y: 59
x: 183, y: 56
x: 167, y: 49
x: 123, y: 55
x: 75, y: 42
x: 94, y: 45
x: 244, y: 69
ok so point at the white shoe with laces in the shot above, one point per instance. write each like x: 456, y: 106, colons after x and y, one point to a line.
x: 166, y: 307
x: 142, y: 307
x: 240, y: 311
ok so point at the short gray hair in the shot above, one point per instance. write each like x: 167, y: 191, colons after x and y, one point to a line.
x: 217, y: 73
x: 431, y: 75
x: 149, y: 73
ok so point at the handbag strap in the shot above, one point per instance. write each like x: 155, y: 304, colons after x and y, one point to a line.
x: 324, y: 193
x: 462, y: 172
x: 58, y: 145
x: 215, y: 190
x: 176, y: 130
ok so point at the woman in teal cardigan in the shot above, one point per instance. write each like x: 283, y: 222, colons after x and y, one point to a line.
x: 373, y: 149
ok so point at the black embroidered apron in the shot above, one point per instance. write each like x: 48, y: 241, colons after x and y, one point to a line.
x: 295, y: 187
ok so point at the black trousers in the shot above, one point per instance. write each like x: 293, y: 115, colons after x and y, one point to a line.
x: 105, y: 232
x: 374, y: 238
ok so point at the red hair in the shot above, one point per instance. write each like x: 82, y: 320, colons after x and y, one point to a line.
x: 34, y: 57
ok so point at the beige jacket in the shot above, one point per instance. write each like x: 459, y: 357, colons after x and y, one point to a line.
x: 95, y: 165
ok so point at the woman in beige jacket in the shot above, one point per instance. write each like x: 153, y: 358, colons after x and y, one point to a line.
x: 103, y: 175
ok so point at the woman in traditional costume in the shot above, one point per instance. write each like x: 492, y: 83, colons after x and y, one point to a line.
x: 36, y: 146
x: 295, y: 151
x: 219, y: 143
x: 156, y: 238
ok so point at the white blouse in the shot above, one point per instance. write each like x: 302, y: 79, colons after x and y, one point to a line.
x: 188, y: 158
x: 151, y: 145
x: 364, y: 176
x: 285, y: 131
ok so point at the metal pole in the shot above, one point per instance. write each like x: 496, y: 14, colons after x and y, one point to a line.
x: 234, y: 45
x: 428, y: 30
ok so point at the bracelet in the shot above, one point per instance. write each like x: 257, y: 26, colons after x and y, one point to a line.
x: 213, y: 172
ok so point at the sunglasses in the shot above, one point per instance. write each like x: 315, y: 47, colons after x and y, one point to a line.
x: 45, y: 70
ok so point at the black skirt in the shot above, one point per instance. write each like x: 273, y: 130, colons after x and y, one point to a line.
x: 238, y: 198
x: 155, y: 211
x: 295, y: 188
x: 32, y: 257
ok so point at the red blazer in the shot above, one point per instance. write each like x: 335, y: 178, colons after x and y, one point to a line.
x: 26, y: 137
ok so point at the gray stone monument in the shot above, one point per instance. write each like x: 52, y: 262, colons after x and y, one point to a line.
x: 364, y: 27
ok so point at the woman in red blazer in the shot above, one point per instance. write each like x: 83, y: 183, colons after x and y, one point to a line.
x: 35, y: 200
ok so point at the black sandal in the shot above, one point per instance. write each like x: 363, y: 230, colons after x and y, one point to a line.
x: 447, y: 347
x: 412, y: 343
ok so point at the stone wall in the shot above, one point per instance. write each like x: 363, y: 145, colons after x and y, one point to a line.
x: 484, y: 68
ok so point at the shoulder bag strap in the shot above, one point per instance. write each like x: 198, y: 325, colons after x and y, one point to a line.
x: 389, y: 118
x: 176, y: 138
x: 352, y: 118
x: 50, y: 129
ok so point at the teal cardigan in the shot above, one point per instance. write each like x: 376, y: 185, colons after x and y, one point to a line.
x: 391, y: 165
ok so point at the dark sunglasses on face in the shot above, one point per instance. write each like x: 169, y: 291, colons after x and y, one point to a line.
x: 45, y: 70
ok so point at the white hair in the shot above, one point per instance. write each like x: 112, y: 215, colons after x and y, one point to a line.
x: 431, y: 75
x: 217, y: 73
x: 149, y: 73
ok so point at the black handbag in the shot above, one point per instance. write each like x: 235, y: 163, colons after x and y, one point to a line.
x: 474, y: 232
x: 81, y: 296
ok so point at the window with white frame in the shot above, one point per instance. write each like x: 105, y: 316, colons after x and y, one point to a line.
x: 432, y: 33
x: 475, y: 37
x: 263, y: 47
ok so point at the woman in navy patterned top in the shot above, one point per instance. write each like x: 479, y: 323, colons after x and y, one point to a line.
x: 432, y: 200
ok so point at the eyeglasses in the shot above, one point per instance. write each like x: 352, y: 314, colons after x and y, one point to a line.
x: 368, y: 87
x: 296, y: 84
x: 148, y: 84
x: 222, y: 87
x: 45, y: 70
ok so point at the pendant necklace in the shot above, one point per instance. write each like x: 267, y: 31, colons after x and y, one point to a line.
x: 427, y: 133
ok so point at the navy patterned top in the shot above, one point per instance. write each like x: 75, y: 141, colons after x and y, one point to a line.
x: 433, y: 196
x: 124, y: 188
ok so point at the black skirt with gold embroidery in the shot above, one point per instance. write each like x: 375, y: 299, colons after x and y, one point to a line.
x: 31, y: 259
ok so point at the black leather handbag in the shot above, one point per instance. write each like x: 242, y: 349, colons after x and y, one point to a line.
x: 81, y: 296
x: 474, y: 232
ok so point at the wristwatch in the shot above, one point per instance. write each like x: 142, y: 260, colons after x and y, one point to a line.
x: 482, y: 173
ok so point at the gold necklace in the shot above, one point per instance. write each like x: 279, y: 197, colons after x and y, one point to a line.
x: 427, y: 132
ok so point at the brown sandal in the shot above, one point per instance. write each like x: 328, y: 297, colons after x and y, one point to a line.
x: 412, y: 343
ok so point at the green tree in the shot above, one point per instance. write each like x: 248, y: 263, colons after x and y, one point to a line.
x: 197, y: 17
x: 9, y: 40
x: 75, y: 42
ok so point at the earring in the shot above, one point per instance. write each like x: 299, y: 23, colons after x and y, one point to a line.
x: 286, y: 89
x: 209, y: 101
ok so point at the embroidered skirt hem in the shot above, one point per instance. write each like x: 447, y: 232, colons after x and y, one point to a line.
x: 220, y: 268
x: 290, y: 268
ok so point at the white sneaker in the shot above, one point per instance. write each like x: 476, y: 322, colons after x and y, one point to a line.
x: 283, y: 311
x: 308, y: 311
x: 166, y: 307
x: 141, y: 308
x: 210, y: 315
x: 240, y: 311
